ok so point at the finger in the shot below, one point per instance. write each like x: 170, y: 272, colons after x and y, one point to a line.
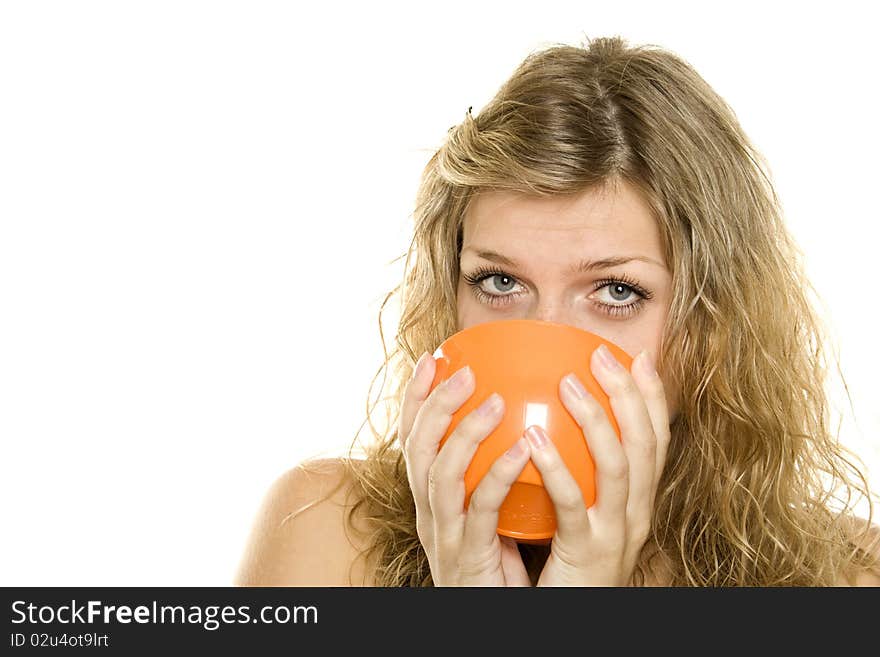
x: 651, y: 385
x: 430, y: 425
x: 636, y: 433
x: 611, y: 465
x: 481, y: 520
x: 415, y: 394
x: 572, y: 523
x: 446, y: 489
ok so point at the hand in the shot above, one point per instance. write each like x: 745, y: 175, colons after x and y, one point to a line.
x: 600, y: 545
x: 463, y: 547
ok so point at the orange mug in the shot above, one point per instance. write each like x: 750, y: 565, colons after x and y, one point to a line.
x: 523, y: 360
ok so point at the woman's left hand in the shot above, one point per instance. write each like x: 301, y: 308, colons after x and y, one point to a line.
x: 600, y: 545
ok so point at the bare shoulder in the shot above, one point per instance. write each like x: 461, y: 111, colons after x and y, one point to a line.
x: 868, y: 536
x: 301, y: 535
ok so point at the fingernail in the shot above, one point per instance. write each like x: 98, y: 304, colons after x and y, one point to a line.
x: 491, y: 406
x: 607, y: 359
x: 537, y: 437
x: 574, y: 386
x: 645, y: 364
x: 517, y: 450
x: 461, y: 378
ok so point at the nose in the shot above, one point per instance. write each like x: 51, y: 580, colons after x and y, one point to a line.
x: 551, y: 310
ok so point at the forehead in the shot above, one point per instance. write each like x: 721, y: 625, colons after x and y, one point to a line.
x: 596, y: 222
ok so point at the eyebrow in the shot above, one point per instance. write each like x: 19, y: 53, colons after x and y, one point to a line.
x: 585, y: 265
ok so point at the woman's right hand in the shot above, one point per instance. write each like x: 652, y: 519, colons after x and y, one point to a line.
x: 463, y: 547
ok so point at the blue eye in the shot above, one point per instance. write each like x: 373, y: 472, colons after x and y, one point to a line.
x: 475, y: 280
x: 505, y: 280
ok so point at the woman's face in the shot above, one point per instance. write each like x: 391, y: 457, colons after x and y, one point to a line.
x: 593, y: 261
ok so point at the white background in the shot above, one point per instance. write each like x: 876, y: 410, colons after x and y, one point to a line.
x: 200, y: 203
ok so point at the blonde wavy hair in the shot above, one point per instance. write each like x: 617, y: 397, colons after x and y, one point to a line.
x: 753, y: 471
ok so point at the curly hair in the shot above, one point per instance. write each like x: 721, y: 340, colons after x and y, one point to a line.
x: 756, y: 490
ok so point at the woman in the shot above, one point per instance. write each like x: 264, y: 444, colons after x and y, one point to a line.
x: 610, y: 188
